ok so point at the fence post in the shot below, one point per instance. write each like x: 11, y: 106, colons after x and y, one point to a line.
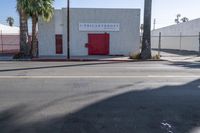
x: 159, y: 44
x: 180, y: 45
x: 1, y: 42
x: 199, y: 43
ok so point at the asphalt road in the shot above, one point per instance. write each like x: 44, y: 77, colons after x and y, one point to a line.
x: 99, y: 97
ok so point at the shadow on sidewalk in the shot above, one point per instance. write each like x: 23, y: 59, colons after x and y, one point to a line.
x: 168, y: 109
x: 178, y: 52
x: 62, y: 66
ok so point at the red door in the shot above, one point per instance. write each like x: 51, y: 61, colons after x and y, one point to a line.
x: 98, y: 44
x: 59, y: 44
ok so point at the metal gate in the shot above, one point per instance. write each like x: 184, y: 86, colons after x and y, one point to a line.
x: 98, y: 44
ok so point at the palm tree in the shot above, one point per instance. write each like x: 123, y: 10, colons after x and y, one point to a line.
x: 146, y: 39
x: 36, y: 9
x: 185, y: 19
x: 10, y: 21
x: 23, y: 18
x: 177, y: 20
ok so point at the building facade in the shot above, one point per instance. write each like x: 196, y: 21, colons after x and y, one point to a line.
x: 92, y: 32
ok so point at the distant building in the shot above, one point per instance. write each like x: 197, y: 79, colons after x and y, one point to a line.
x: 9, y: 30
x: 9, y: 39
x: 183, y: 36
x: 92, y: 32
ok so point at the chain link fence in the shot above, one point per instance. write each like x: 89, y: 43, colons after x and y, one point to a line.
x: 176, y: 44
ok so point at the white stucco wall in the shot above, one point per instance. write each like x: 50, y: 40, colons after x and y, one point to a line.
x: 9, y: 30
x: 58, y: 18
x: 121, y: 43
x: 171, y: 39
x: 46, y: 38
x: 47, y: 32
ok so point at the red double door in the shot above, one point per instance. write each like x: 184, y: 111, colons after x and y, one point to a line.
x: 98, y: 44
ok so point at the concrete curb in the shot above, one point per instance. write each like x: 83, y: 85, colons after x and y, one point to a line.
x: 79, y: 60
x: 84, y: 60
x: 75, y: 60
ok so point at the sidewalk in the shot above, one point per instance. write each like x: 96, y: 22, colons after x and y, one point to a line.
x: 178, y: 57
x: 84, y: 58
x: 164, y: 56
x: 182, y: 58
x: 6, y: 57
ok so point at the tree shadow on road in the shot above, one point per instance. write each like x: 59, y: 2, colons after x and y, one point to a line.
x: 193, y: 65
x: 168, y: 109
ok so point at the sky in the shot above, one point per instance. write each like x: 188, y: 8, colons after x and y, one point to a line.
x: 164, y: 11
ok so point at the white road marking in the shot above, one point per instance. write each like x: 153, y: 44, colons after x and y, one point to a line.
x: 85, y: 77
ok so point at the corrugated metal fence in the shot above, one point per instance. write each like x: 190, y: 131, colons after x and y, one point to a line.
x: 9, y: 44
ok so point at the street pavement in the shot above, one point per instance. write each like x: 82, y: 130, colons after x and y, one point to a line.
x: 100, y: 97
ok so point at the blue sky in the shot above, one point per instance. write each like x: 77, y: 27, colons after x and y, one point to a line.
x: 163, y: 10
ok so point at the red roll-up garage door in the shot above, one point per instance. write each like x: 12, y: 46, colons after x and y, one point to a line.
x: 98, y: 44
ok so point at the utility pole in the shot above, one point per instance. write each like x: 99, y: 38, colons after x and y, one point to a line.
x: 146, y: 40
x: 154, y: 24
x: 68, y: 29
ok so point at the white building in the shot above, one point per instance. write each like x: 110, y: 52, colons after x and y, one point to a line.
x: 92, y: 32
x: 183, y: 36
x: 9, y: 30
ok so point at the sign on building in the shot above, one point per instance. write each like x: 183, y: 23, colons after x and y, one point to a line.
x: 99, y: 27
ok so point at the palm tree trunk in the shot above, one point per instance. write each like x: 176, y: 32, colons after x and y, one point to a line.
x: 24, y: 47
x: 34, y: 37
x: 146, y: 40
